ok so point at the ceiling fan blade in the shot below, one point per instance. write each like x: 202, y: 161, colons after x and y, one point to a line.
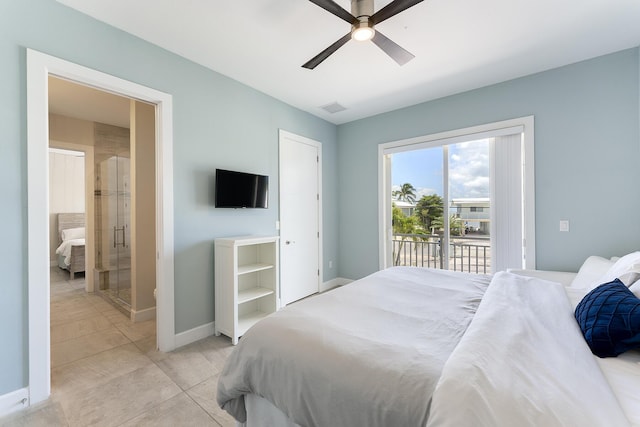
x: 392, y: 9
x: 316, y: 60
x: 332, y: 7
x: 389, y: 47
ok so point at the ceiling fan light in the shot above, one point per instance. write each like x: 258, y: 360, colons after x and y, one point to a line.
x: 362, y: 34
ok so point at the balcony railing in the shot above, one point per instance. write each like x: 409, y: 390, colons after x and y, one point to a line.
x: 469, y: 254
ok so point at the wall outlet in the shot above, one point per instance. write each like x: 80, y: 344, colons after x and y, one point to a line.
x: 330, y: 264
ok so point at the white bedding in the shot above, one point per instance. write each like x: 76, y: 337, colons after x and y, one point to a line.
x: 65, y: 249
x: 523, y: 362
x: 370, y: 353
x: 367, y: 354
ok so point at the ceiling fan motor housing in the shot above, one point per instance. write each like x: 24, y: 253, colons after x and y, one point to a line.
x: 362, y: 8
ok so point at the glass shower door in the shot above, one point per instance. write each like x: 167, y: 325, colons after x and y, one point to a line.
x: 113, y: 219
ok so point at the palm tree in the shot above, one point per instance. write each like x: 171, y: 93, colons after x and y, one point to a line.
x: 406, y: 193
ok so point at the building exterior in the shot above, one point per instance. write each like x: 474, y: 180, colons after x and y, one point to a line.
x: 407, y: 208
x: 474, y: 212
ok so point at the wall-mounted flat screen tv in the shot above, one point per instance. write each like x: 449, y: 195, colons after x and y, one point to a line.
x: 241, y: 190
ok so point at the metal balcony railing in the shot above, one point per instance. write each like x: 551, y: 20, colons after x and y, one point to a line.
x: 469, y: 254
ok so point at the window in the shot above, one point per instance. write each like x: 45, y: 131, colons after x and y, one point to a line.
x: 472, y: 192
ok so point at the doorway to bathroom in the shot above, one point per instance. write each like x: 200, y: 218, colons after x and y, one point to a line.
x: 118, y: 135
x: 39, y: 68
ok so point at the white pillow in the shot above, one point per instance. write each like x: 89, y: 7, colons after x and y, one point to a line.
x: 625, y: 265
x: 72, y: 233
x: 635, y: 288
x: 590, y: 274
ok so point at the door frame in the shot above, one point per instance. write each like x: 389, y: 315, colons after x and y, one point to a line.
x: 39, y: 66
x: 318, y: 145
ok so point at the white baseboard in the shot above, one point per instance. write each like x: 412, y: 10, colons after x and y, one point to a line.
x: 143, y: 315
x: 14, y: 401
x: 334, y: 283
x: 195, y: 334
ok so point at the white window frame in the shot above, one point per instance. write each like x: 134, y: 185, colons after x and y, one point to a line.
x: 489, y: 130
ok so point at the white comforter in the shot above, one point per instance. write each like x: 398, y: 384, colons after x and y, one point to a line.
x: 523, y: 362
x: 367, y: 354
x: 65, y: 249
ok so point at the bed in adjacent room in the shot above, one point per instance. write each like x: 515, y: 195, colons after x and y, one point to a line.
x: 414, y: 346
x: 71, y: 243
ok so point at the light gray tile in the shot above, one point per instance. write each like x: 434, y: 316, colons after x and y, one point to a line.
x: 67, y: 294
x: 177, y: 411
x: 215, y: 349
x: 205, y: 395
x: 120, y: 399
x: 44, y: 415
x: 149, y: 347
x: 187, y: 366
x: 57, y: 274
x: 68, y: 310
x: 131, y: 383
x: 77, y: 328
x: 87, y: 345
x: 60, y: 288
x: 78, y: 284
x: 96, y: 370
x: 101, y: 304
x: 114, y: 315
x: 137, y: 331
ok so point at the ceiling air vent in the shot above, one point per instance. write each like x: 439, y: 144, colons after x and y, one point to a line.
x: 334, y: 107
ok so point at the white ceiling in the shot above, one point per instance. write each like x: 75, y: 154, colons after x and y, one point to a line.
x: 459, y: 44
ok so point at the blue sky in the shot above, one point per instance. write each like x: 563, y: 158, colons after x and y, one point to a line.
x: 468, y: 170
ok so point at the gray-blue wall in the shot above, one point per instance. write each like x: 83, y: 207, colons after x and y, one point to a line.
x: 587, y: 146
x: 587, y: 150
x: 218, y: 122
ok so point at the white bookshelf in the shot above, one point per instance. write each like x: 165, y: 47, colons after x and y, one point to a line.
x: 246, y: 283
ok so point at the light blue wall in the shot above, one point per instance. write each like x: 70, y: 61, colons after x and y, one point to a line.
x: 587, y: 146
x: 587, y: 150
x: 217, y: 123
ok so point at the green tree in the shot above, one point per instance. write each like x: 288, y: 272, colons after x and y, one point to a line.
x: 456, y: 226
x: 406, y: 193
x: 403, y: 224
x: 428, y: 209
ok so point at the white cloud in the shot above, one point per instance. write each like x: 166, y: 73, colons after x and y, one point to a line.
x: 469, y: 169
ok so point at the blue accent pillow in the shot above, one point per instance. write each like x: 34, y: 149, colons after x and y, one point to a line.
x: 609, y: 317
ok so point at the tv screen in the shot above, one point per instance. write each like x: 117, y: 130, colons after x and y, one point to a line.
x: 241, y: 190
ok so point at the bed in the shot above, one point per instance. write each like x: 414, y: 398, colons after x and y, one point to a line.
x: 412, y: 346
x: 71, y: 243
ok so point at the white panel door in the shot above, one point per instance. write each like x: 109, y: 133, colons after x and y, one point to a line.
x: 299, y: 217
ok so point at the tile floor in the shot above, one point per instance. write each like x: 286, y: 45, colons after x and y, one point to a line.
x: 105, y: 370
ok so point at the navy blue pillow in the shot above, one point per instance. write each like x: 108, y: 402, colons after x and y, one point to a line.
x: 609, y: 317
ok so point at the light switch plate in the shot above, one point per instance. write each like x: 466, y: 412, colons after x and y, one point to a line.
x: 564, y: 225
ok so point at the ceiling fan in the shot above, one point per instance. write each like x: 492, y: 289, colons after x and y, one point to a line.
x: 363, y: 20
